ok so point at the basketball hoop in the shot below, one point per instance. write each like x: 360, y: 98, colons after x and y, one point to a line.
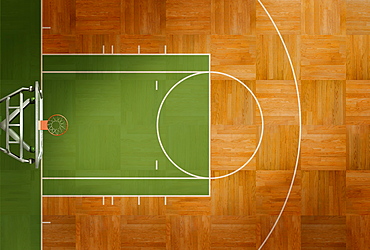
x: 57, y: 125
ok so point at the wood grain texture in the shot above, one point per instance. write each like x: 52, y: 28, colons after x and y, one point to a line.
x: 358, y: 147
x: 279, y: 149
x: 98, y: 232
x: 60, y: 16
x: 323, y: 57
x: 324, y: 17
x: 143, y: 232
x: 358, y: 102
x: 272, y: 61
x: 324, y: 232
x: 271, y: 189
x: 288, y: 225
x: 358, y: 191
x: 358, y: 17
x: 233, y: 17
x: 233, y: 232
x: 323, y: 148
x: 358, y: 231
x: 278, y: 99
x: 61, y: 233
x: 358, y: 66
x: 147, y: 43
x: 329, y: 42
x: 188, y: 17
x: 286, y: 13
x: 188, y: 43
x: 143, y: 17
x: 98, y: 17
x: 188, y: 232
x: 323, y: 193
x: 242, y: 201
x: 235, y: 55
x: 315, y: 111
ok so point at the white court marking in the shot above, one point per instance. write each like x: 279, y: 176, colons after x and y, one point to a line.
x: 159, y: 136
x: 300, y: 125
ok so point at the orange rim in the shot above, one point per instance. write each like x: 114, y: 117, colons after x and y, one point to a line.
x: 65, y: 119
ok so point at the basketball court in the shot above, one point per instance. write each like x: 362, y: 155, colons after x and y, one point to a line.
x: 79, y: 128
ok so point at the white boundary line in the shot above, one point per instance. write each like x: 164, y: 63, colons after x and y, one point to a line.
x: 300, y: 126
x: 156, y: 85
x: 123, y: 196
x: 156, y: 164
x: 119, y: 72
x: 121, y: 178
x: 41, y: 163
x: 130, y: 54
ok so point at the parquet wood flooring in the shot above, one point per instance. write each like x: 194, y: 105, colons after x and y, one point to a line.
x: 329, y: 42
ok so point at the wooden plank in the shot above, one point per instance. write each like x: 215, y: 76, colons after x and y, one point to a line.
x: 358, y: 231
x: 235, y: 195
x: 358, y: 102
x: 286, y: 13
x: 324, y: 232
x: 188, y: 232
x: 235, y: 55
x: 323, y: 193
x: 271, y: 189
x: 323, y: 17
x: 188, y: 17
x: 143, y: 17
x: 323, y: 102
x: 358, y: 17
x: 272, y: 61
x: 358, y: 191
x: 143, y: 232
x: 278, y: 99
x: 358, y: 147
x: 323, y: 57
x: 358, y: 57
x: 323, y: 148
x: 236, y: 232
x: 233, y: 17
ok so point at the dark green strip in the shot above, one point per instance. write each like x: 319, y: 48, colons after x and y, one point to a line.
x: 20, y: 191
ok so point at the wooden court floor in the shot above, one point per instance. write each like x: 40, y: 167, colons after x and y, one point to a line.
x: 329, y: 41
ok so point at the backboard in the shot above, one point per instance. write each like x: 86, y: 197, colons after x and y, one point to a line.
x: 38, y: 117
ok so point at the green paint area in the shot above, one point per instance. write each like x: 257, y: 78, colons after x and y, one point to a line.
x: 126, y: 62
x: 20, y: 191
x: 112, y: 133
